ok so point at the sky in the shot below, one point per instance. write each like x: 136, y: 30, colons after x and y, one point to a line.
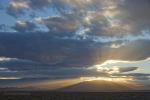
x: 67, y: 39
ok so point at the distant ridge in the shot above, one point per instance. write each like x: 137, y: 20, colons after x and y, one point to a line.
x: 102, y: 86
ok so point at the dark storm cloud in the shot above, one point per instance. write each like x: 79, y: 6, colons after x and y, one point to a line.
x: 54, y: 50
x: 19, y: 64
x: 137, y: 14
x: 46, y: 48
x: 27, y: 69
x: 24, y: 26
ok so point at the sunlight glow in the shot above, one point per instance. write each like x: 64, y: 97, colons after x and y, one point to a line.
x: 117, y: 45
x: 108, y: 70
x: 111, y: 62
x: 113, y: 79
x: 9, y: 78
x: 87, y: 19
x: 53, y: 84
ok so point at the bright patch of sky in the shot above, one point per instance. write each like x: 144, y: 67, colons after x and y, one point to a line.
x: 143, y: 65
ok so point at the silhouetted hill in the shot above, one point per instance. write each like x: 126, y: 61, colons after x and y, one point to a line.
x: 102, y: 86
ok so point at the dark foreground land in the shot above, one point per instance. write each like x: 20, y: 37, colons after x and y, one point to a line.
x: 45, y: 95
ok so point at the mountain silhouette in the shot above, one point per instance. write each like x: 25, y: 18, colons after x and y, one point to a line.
x: 102, y: 86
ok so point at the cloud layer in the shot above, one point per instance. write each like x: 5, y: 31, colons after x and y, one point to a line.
x: 68, y: 37
x: 101, y: 17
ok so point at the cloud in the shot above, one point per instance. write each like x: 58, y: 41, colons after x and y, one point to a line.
x: 23, y: 71
x: 24, y: 26
x: 112, y: 18
x: 1, y: 6
x: 38, y: 4
x: 108, y: 18
x: 54, y: 50
x: 27, y: 69
x: 6, y: 59
x: 132, y: 49
x: 62, y: 24
x: 113, y: 70
x: 17, y: 7
x: 127, y: 69
x: 119, y: 18
x: 136, y: 76
x: 81, y: 33
x: 2, y: 26
x: 137, y: 14
x: 47, y: 48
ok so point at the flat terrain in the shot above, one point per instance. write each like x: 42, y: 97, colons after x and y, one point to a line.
x: 47, y: 95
